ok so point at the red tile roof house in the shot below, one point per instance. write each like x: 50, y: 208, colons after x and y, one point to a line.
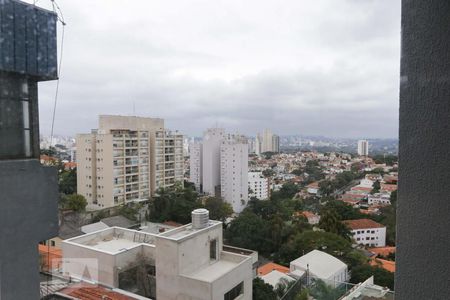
x: 388, y: 187
x: 367, y: 232
x: 312, y: 217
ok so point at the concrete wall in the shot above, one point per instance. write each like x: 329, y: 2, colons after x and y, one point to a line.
x: 212, y: 139
x: 234, y: 174
x: 28, y: 214
x: 423, y: 206
x: 105, y: 174
x: 243, y: 273
x: 193, y: 254
x: 86, y: 180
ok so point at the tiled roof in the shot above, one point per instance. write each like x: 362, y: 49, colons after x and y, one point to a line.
x: 362, y: 224
x: 85, y: 291
x: 51, y: 256
x: 385, y: 264
x: 269, y: 267
x: 384, y: 251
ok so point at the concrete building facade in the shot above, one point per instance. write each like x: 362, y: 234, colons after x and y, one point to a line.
x: 367, y: 232
x: 258, y: 186
x: 127, y: 159
x: 267, y: 142
x: 234, y: 173
x: 196, y: 165
x: 188, y: 262
x: 219, y: 166
x: 28, y: 190
x: 212, y: 140
x: 363, y: 148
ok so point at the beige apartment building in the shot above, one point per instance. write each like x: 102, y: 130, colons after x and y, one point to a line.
x: 127, y: 159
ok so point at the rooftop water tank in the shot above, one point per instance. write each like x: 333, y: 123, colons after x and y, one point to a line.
x: 200, y: 218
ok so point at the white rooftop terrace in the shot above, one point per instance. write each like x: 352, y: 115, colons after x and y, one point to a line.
x: 113, y: 240
x: 228, y: 261
x: 183, y: 232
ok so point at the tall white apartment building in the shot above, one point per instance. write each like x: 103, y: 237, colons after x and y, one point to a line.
x: 275, y: 143
x: 258, y: 186
x: 258, y: 144
x: 196, y: 165
x: 168, y: 159
x: 363, y: 148
x: 126, y: 160
x: 219, y: 166
x: 212, y: 140
x: 234, y: 173
x: 268, y: 142
x: 188, y: 262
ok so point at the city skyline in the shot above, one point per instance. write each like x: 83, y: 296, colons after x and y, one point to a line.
x: 243, y: 65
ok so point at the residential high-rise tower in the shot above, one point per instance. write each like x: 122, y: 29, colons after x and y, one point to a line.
x: 363, y: 148
x: 127, y: 159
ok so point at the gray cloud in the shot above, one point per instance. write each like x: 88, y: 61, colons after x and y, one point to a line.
x: 309, y: 67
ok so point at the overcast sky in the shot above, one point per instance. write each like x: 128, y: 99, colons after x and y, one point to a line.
x: 319, y: 67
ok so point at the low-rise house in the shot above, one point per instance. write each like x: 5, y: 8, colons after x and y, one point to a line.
x: 258, y: 185
x: 379, y: 199
x: 388, y: 265
x: 310, y: 216
x: 188, y: 262
x: 274, y: 274
x: 367, y: 232
x: 367, y: 290
x: 320, y: 265
x: 313, y: 188
x: 388, y: 188
x: 382, y: 251
x: 271, y: 266
x: 275, y: 278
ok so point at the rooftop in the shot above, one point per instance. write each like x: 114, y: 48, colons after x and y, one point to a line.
x: 84, y: 291
x: 269, y: 267
x: 185, y: 231
x: 362, y: 224
x: 113, y: 240
x: 226, y: 263
x: 321, y: 264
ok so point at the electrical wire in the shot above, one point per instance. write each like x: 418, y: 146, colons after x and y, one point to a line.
x: 60, y: 16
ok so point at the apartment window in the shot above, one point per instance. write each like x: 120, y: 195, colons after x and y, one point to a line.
x: 235, y: 292
x: 213, y: 249
x: 52, y: 243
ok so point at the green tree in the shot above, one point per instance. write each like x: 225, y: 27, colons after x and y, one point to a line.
x: 330, y: 221
x: 68, y: 181
x: 218, y: 209
x: 355, y: 258
x: 297, y: 172
x: 283, y: 287
x: 323, y: 291
x: 268, y: 173
x: 376, y: 187
x: 250, y: 231
x: 174, y: 204
x: 381, y: 276
x: 288, y: 190
x: 326, y: 187
x: 345, y: 211
x: 262, y: 290
x: 74, y: 202
x: 306, y: 241
x: 268, y: 154
x: 304, y: 295
x: 129, y: 211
